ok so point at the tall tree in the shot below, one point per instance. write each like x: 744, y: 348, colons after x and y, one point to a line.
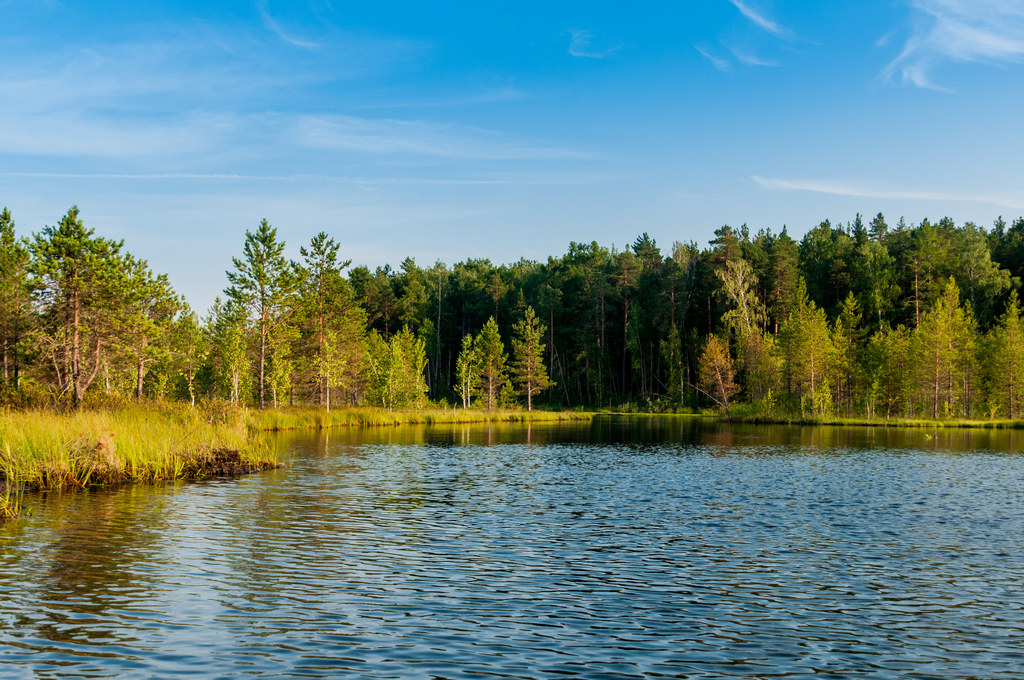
x: 148, y: 308
x: 332, y: 322
x: 528, y: 368
x: 77, y: 275
x: 467, y: 371
x: 14, y: 297
x: 262, y: 283
x: 1006, y: 360
x: 944, y: 344
x: 491, y: 358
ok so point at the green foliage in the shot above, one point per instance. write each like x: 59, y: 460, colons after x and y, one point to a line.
x: 528, y: 370
x: 395, y: 370
x: 491, y: 359
x: 854, y: 320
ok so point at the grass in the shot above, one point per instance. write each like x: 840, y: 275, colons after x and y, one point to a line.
x: 319, y: 419
x: 49, y: 450
x: 1003, y: 424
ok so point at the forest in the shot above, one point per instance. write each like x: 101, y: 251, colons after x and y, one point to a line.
x: 859, y: 319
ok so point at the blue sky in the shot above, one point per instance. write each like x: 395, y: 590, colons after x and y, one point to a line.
x: 501, y: 130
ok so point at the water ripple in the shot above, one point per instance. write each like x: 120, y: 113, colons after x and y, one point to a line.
x: 608, y: 551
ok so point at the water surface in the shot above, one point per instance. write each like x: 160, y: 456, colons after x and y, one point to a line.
x: 643, y: 547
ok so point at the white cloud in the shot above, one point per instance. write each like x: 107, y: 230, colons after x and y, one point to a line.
x: 748, y: 59
x: 861, y: 190
x: 274, y: 26
x: 581, y: 45
x: 389, y: 136
x: 989, y: 31
x: 761, y: 20
x: 720, y: 64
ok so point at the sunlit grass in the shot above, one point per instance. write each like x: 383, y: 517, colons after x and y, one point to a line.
x: 48, y: 450
x: 317, y: 418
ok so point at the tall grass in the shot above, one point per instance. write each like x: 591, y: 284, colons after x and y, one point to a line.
x: 317, y: 418
x: 47, y: 450
x: 42, y: 449
x: 1004, y: 424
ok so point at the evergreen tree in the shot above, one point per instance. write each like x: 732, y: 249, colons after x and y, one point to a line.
x: 14, y: 298
x: 491, y: 359
x: 847, y: 345
x: 944, y: 348
x: 531, y: 376
x: 1005, y: 360
x: 331, y: 322
x: 77, y: 279
x: 263, y: 283
x: 888, y: 363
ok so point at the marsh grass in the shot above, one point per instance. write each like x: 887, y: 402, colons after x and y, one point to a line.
x: 48, y: 450
x: 950, y: 423
x: 319, y: 419
x: 42, y: 449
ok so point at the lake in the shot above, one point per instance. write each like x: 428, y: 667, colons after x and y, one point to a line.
x: 626, y: 547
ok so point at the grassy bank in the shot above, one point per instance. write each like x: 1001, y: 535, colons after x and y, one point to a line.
x: 48, y: 450
x: 879, y: 422
x: 319, y: 419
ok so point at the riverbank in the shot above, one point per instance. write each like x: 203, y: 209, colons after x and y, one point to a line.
x: 951, y: 423
x: 319, y: 419
x: 48, y: 450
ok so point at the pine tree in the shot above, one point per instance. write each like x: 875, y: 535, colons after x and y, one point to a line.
x: 77, y: 279
x: 944, y: 344
x: 528, y: 368
x: 263, y: 283
x: 14, y: 298
x: 491, y: 358
x: 1006, y: 359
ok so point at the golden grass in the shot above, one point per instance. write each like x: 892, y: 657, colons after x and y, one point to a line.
x: 47, y: 450
x: 1003, y: 424
x: 319, y: 419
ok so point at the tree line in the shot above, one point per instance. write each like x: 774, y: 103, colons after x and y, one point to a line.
x: 853, y: 319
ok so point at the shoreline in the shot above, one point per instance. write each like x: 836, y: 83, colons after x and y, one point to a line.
x: 46, y: 450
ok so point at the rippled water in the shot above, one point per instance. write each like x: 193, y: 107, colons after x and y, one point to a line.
x: 645, y: 547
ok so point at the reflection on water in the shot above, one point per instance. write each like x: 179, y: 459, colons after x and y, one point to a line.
x: 628, y: 547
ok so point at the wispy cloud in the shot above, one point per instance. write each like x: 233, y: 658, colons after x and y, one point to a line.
x: 862, y: 190
x: 989, y: 31
x: 389, y: 136
x: 761, y: 20
x: 719, y: 63
x: 748, y: 59
x: 582, y: 45
x: 274, y: 26
x: 533, y: 180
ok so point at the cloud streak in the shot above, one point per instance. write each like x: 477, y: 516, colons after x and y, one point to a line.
x: 718, y: 62
x: 988, y: 31
x: 389, y: 136
x: 581, y: 45
x: 275, y: 27
x: 761, y: 20
x: 857, y: 190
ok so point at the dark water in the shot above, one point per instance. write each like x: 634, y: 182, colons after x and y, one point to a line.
x: 627, y: 548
